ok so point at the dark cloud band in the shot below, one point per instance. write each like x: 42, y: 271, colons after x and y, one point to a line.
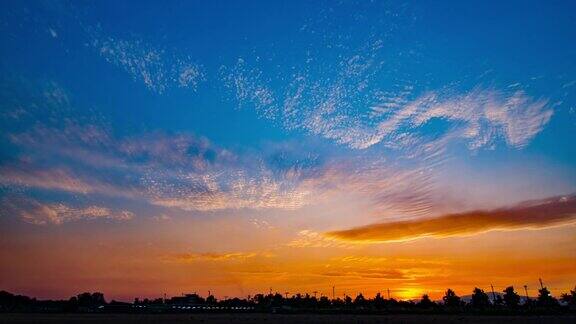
x: 528, y: 215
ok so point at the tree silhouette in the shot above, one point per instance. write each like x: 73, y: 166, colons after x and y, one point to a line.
x: 480, y: 299
x: 545, y: 298
x: 348, y: 300
x: 324, y: 302
x: 425, y: 302
x: 88, y: 300
x: 379, y: 302
x: 570, y: 298
x: 92, y: 302
x: 511, y: 298
x: 498, y: 301
x: 450, y: 299
x: 360, y: 300
x: 211, y: 300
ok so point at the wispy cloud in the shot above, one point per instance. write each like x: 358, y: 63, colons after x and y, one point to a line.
x: 190, y: 173
x: 250, y: 87
x: 37, y: 213
x: 529, y: 215
x: 345, y: 102
x: 374, y: 273
x: 29, y: 176
x: 170, y: 170
x: 230, y: 256
x: 155, y: 67
x: 230, y: 189
x: 313, y: 239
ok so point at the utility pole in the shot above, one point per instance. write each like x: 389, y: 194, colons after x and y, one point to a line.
x: 286, y: 294
x: 526, y: 291
x: 333, y: 292
x: 493, y: 294
x: 315, y: 292
x: 388, y: 293
x: 270, y: 290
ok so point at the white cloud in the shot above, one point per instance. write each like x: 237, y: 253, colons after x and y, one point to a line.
x: 227, y: 189
x: 249, y: 88
x: 347, y: 105
x: 155, y: 67
x: 53, y: 33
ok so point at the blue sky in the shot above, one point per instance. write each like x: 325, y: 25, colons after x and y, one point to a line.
x: 296, y: 85
x: 307, y: 115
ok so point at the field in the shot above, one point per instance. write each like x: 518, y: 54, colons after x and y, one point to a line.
x: 274, y: 318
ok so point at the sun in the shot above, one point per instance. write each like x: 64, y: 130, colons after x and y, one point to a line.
x: 409, y: 293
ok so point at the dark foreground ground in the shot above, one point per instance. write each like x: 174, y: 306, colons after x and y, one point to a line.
x: 274, y: 318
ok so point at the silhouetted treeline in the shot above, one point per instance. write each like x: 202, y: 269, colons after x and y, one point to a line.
x: 83, y: 302
x: 479, y: 302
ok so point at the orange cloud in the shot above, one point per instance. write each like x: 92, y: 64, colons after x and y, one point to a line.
x: 528, y: 215
x: 376, y: 273
x: 192, y: 257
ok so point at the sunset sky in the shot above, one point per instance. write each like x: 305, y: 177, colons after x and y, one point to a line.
x: 237, y: 146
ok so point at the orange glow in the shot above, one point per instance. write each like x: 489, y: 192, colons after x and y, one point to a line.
x: 123, y: 264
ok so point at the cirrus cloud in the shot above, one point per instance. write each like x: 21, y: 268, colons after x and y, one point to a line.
x: 39, y: 213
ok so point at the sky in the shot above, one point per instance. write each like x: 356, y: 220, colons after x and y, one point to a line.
x: 152, y: 148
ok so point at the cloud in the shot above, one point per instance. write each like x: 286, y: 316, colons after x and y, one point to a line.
x: 481, y: 115
x: 171, y: 170
x: 528, y: 215
x: 155, y: 67
x: 249, y: 88
x: 29, y: 176
x: 190, y: 173
x: 171, y: 151
x: 390, y: 190
x: 347, y: 102
x: 309, y: 238
x: 37, y: 213
x: 228, y: 190
x: 83, y: 155
x: 374, y: 273
x: 53, y: 33
x: 378, y: 267
x: 231, y: 256
x: 162, y: 218
x: 261, y: 224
